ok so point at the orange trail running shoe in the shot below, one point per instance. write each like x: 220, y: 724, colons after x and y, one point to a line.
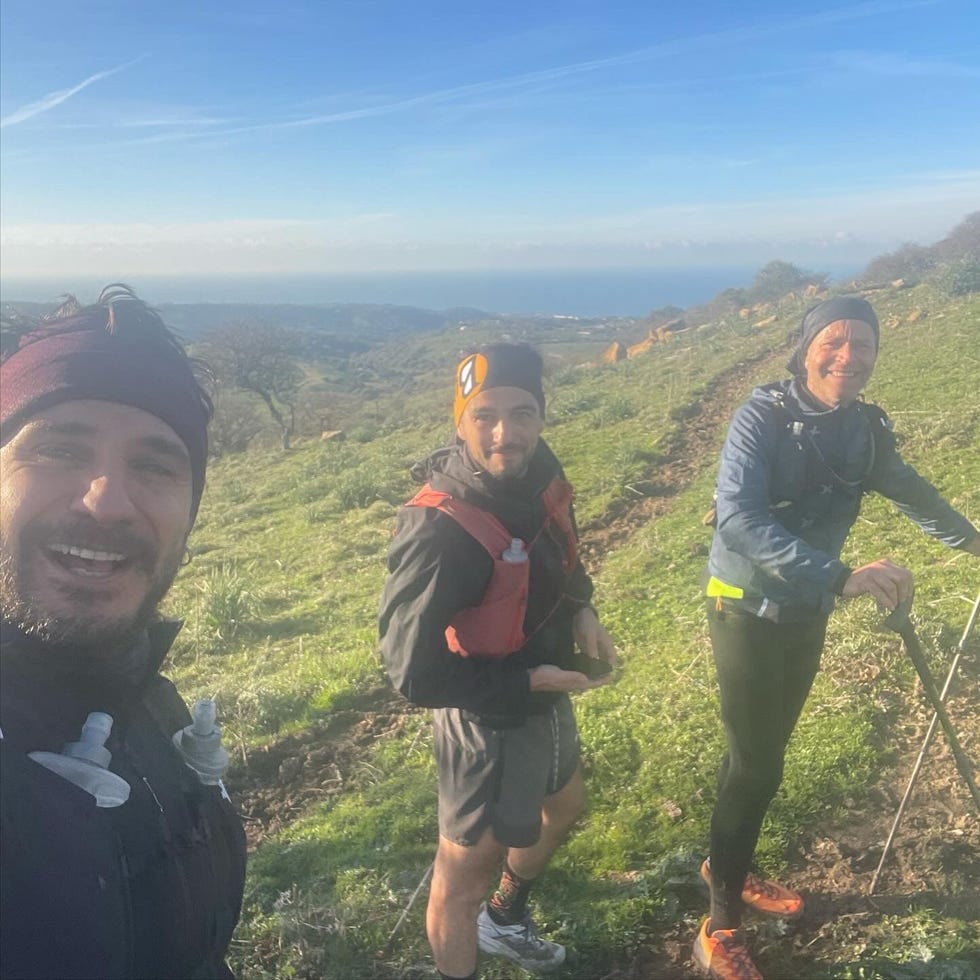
x: 767, y: 897
x: 723, y: 955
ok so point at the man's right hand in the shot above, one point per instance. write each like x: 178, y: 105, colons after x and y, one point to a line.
x: 548, y: 677
x: 888, y: 583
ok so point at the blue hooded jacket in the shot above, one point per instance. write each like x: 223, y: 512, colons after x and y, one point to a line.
x: 789, y: 490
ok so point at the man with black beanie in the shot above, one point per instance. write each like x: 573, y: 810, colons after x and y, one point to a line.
x: 798, y: 457
x: 484, y: 606
x: 122, y: 855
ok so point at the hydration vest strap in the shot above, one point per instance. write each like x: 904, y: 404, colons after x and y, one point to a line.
x: 558, y: 496
x: 495, y: 627
x: 483, y: 526
x: 479, y: 523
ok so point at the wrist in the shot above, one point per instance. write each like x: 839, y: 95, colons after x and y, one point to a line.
x: 838, y: 584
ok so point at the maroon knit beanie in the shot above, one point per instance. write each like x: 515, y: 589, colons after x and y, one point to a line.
x: 90, y: 356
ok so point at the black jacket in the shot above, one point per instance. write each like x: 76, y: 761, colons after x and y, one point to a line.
x: 151, y: 888
x: 436, y: 569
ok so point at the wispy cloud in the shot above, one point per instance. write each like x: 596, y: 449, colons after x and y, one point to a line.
x: 673, y: 47
x: 905, y: 203
x: 899, y: 66
x: 148, y: 122
x: 55, y: 99
x: 476, y: 93
x: 541, y: 79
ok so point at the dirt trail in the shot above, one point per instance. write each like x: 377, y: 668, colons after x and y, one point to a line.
x: 933, y: 863
x: 281, y: 780
x: 935, y: 860
x: 696, y: 443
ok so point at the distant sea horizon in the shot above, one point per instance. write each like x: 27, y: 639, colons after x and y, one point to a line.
x: 555, y: 292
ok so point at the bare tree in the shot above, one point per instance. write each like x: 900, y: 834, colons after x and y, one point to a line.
x: 238, y: 419
x: 259, y: 358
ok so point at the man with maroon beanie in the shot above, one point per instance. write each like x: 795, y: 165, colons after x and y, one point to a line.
x: 483, y: 609
x: 121, y: 853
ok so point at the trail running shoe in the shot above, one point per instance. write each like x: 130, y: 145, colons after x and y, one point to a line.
x: 767, y: 897
x: 520, y: 943
x: 723, y: 955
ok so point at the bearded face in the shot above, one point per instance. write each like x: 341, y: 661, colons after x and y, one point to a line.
x: 501, y: 428
x: 94, y: 514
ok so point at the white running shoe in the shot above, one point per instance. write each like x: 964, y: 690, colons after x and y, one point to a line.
x: 520, y: 943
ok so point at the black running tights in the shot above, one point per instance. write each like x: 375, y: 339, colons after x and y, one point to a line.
x: 765, y: 671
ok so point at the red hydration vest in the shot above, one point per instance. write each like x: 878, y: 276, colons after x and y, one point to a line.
x: 495, y: 628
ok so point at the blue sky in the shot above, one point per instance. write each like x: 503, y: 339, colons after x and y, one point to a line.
x: 177, y: 138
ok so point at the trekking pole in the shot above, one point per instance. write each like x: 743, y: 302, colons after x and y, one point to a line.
x: 411, y: 902
x: 925, y: 744
x: 898, y: 620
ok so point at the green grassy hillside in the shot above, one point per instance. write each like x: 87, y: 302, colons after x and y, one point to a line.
x: 280, y: 605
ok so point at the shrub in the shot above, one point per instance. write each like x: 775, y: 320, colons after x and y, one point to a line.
x: 569, y: 407
x: 911, y: 261
x: 962, y: 242
x: 363, y: 433
x: 355, y: 490
x: 615, y: 410
x: 316, y: 514
x: 227, y: 602
x: 960, y: 277
x: 360, y: 488
x: 235, y: 492
x: 776, y: 279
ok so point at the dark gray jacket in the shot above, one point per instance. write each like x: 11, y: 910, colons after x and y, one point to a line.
x: 437, y: 569
x: 789, y: 490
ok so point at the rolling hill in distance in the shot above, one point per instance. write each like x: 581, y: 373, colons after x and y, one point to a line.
x: 578, y: 292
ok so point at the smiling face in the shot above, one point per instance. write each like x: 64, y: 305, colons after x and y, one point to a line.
x: 501, y: 428
x: 95, y: 505
x: 839, y: 362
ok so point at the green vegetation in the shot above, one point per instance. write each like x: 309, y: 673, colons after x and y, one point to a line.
x: 280, y: 603
x: 953, y: 264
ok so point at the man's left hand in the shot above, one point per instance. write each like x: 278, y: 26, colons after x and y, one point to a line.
x: 591, y: 636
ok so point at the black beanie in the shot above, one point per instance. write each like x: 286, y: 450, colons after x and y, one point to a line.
x: 498, y: 366
x: 822, y: 315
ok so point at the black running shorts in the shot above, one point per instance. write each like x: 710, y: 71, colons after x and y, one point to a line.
x: 499, y: 777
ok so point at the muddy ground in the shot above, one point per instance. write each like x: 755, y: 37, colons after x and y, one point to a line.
x: 934, y: 861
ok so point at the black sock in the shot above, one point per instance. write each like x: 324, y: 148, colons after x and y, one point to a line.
x: 508, y: 904
x: 726, y: 909
x: 449, y: 976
